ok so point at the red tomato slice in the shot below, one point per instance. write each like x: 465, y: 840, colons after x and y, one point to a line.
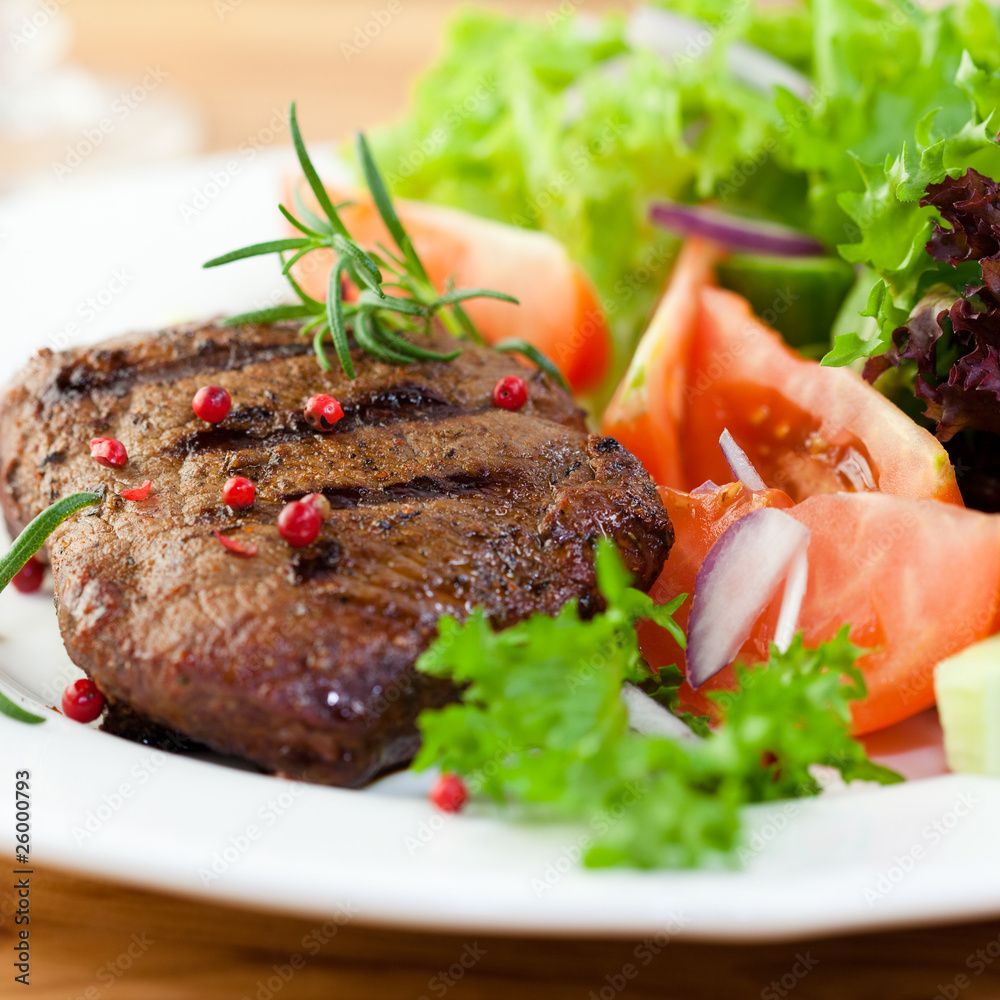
x: 559, y: 311
x: 646, y: 412
x: 914, y: 578
x: 807, y: 429
x: 917, y: 579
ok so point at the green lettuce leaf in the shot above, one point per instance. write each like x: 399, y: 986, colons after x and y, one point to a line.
x: 542, y: 730
x: 542, y: 123
x: 894, y: 228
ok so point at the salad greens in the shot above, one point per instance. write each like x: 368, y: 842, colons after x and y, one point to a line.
x: 927, y: 244
x: 543, y: 730
x: 563, y: 125
x: 520, y: 121
x: 895, y: 225
x: 951, y: 335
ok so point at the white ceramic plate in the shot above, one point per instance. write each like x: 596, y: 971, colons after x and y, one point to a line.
x: 923, y: 852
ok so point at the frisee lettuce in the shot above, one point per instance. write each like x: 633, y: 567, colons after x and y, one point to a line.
x: 541, y: 729
x: 541, y: 123
x: 894, y: 229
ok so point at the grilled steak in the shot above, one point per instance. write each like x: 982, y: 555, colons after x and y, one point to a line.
x: 302, y: 659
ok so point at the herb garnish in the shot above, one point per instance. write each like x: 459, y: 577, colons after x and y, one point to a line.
x: 542, y: 727
x: 27, y: 543
x: 7, y: 707
x: 34, y: 536
x: 378, y: 319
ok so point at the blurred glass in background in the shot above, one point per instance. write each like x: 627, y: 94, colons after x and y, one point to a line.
x: 57, y: 119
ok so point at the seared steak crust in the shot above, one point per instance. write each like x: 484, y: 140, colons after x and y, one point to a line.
x: 302, y: 659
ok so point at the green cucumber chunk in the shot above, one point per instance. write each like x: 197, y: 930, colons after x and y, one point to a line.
x: 798, y: 296
x: 968, y: 696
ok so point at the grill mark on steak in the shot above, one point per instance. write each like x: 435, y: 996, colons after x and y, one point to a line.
x: 419, y: 488
x: 444, y: 503
x: 221, y: 438
x: 396, y: 400
x: 247, y: 414
x: 113, y: 372
x: 318, y: 564
x: 400, y: 403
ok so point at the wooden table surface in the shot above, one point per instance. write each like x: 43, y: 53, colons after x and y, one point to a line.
x: 241, y: 59
x: 83, y: 930
x: 238, y: 60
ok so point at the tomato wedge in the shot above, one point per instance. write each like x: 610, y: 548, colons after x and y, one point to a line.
x: 917, y: 580
x: 559, y: 312
x: 647, y: 410
x: 706, y: 363
x: 807, y: 429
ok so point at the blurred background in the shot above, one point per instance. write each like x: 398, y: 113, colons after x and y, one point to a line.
x: 154, y: 134
x: 86, y: 85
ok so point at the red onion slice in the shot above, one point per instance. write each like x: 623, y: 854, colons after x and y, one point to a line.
x: 791, y: 602
x: 737, y: 580
x: 706, y: 487
x: 741, y: 466
x: 735, y: 231
x: 647, y: 715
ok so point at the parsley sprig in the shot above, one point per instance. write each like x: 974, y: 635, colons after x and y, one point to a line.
x: 542, y: 729
x: 379, y: 319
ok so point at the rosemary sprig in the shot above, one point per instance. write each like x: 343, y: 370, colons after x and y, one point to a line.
x: 27, y: 543
x: 10, y: 708
x: 34, y: 536
x: 378, y: 320
x: 514, y: 345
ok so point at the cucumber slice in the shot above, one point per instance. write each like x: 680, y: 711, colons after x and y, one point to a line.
x: 798, y: 296
x: 968, y: 696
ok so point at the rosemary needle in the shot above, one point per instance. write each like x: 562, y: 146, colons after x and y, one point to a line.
x: 34, y: 536
x: 378, y: 320
x: 27, y: 543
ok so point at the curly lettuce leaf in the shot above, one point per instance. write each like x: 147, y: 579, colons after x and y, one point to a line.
x: 541, y: 729
x: 891, y: 226
x: 544, y: 124
x: 952, y: 336
x: 556, y: 124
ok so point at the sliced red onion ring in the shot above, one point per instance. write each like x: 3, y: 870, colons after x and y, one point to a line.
x: 791, y: 602
x: 737, y: 580
x: 647, y: 715
x: 735, y: 231
x: 741, y: 466
x: 706, y: 487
